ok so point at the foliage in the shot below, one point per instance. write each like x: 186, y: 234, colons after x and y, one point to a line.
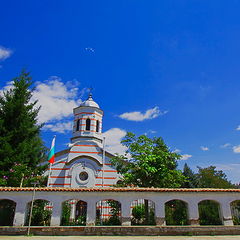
x: 7, y: 210
x: 21, y: 148
x: 176, y: 213
x: 139, y: 215
x: 211, y: 178
x: 209, y: 213
x: 151, y: 163
x: 114, y: 212
x: 66, y: 221
x: 41, y: 216
x: 114, y: 219
x: 191, y: 177
x: 235, y: 207
x: 65, y: 214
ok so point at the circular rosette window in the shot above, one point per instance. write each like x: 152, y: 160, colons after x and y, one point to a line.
x: 83, y: 176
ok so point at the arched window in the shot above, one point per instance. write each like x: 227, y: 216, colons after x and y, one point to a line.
x: 88, y: 124
x: 97, y: 126
x: 78, y: 123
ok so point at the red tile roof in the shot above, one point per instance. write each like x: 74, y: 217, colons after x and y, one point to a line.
x: 112, y: 189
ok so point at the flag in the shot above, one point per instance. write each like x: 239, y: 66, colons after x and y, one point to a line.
x: 51, y: 154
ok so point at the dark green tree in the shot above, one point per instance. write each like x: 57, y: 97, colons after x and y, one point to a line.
x: 21, y: 147
x: 151, y: 163
x: 191, y: 177
x: 211, y: 178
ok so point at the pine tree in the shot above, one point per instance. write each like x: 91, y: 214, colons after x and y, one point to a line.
x: 191, y: 177
x: 21, y: 147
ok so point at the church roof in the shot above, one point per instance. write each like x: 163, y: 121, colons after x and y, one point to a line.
x: 89, y: 102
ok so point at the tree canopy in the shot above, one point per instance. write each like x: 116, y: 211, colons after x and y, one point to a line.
x: 209, y: 177
x: 21, y: 147
x: 148, y: 163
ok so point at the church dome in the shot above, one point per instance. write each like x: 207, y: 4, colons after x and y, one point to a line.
x: 89, y: 102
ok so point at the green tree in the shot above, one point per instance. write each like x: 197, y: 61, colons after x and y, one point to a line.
x: 41, y: 214
x: 151, y: 163
x: 211, y: 178
x: 21, y: 147
x: 191, y: 177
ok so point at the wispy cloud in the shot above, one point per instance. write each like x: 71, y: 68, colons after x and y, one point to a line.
x: 231, y: 169
x: 114, y: 137
x: 5, y: 53
x: 139, y: 116
x: 236, y: 149
x: 238, y: 128
x: 204, y: 148
x: 226, y: 167
x: 90, y: 49
x: 226, y: 145
x: 185, y: 156
x: 150, y: 132
x: 176, y: 150
x: 60, y: 127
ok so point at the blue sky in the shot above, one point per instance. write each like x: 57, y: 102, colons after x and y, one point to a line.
x: 173, y: 66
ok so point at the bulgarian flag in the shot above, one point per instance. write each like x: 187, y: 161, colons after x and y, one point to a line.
x: 51, y: 155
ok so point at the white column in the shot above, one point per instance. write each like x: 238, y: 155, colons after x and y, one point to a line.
x: 193, y: 213
x: 160, y: 213
x: 56, y: 214
x: 20, y: 214
x: 72, y: 210
x: 126, y: 212
x: 91, y: 213
x: 226, y: 213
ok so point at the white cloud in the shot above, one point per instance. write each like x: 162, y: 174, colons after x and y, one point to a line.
x: 232, y: 170
x: 59, y: 127
x: 150, y: 132
x: 6, y: 88
x: 236, y: 149
x: 238, y: 128
x: 113, y: 140
x: 226, y: 145
x: 56, y: 99
x: 204, y: 148
x: 177, y: 150
x: 138, y: 116
x: 185, y: 157
x: 5, y: 53
x: 228, y: 167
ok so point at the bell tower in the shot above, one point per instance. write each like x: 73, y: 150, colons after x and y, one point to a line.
x: 87, y: 121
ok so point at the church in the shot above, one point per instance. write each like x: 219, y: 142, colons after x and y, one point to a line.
x: 85, y: 163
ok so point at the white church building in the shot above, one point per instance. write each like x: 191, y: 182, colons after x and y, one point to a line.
x: 85, y: 163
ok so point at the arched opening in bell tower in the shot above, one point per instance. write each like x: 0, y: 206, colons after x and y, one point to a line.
x: 88, y: 124
x: 97, y: 126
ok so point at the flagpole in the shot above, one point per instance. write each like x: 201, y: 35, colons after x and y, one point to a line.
x: 103, y: 160
x: 51, y: 155
x: 49, y: 174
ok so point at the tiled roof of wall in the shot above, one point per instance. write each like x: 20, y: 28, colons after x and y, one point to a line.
x: 112, y: 189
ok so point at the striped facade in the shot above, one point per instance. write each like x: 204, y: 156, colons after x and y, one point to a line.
x: 85, y: 163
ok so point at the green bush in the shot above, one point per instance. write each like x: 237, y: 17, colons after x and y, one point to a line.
x: 40, y: 215
x: 209, y: 213
x: 176, y: 213
x: 139, y: 217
